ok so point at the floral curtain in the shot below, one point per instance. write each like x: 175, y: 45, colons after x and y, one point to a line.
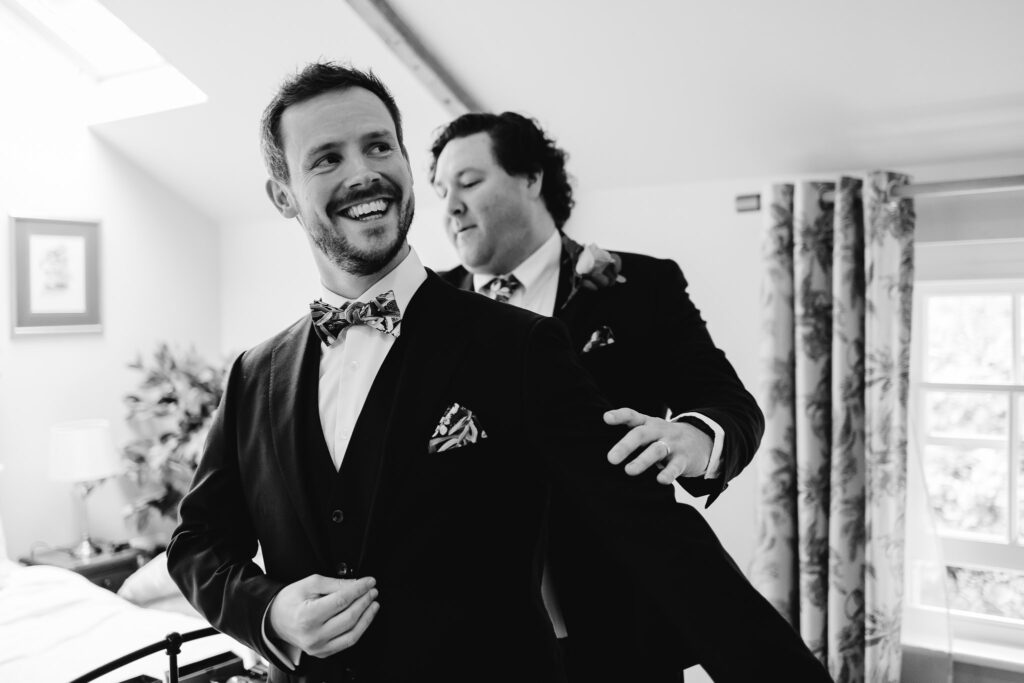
x: 838, y: 280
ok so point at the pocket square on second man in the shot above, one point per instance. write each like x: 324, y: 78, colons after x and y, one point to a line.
x: 602, y: 336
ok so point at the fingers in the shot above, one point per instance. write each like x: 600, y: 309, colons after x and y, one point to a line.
x: 625, y: 416
x: 350, y: 638
x: 345, y: 593
x: 345, y: 620
x: 633, y: 440
x: 673, y: 469
x: 654, y: 453
x: 343, y: 628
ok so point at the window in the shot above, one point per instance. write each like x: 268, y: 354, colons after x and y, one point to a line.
x: 107, y: 71
x: 967, y: 426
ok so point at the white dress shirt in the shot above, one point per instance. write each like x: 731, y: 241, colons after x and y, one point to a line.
x: 538, y: 275
x: 348, y: 368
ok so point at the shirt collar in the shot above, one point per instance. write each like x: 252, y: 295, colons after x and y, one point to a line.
x: 403, y: 280
x: 542, y: 262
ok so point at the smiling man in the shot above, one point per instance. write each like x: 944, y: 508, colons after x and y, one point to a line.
x: 393, y: 452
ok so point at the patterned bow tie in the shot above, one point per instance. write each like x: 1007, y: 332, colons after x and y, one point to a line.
x: 502, y: 288
x: 381, y: 314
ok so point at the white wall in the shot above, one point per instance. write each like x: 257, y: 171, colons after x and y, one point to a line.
x: 159, y: 282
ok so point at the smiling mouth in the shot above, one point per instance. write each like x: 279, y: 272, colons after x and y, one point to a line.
x: 367, y: 211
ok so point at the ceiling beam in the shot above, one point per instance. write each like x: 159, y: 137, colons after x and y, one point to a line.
x: 404, y: 43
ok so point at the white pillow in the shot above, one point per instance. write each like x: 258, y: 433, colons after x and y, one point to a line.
x: 150, y: 582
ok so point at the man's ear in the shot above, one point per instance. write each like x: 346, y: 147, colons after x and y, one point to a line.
x: 281, y: 198
x: 534, y: 183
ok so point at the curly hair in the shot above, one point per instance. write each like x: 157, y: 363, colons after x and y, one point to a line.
x: 520, y: 147
x: 316, y: 79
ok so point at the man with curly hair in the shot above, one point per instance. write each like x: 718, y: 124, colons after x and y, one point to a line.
x: 507, y: 197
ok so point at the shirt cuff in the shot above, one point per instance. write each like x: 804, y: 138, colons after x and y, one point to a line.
x: 715, y: 462
x: 289, y: 656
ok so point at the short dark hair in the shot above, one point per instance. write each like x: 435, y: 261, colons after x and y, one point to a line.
x: 316, y: 79
x: 520, y: 147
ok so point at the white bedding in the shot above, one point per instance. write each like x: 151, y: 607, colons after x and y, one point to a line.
x: 55, y: 626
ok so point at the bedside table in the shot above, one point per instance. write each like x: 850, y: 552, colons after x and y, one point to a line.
x: 108, y: 570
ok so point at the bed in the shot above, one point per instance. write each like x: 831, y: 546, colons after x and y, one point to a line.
x: 56, y: 625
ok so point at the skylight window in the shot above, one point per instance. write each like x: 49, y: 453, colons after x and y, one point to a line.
x: 129, y: 78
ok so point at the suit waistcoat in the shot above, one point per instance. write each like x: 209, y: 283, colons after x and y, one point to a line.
x: 342, y: 502
x: 342, y: 499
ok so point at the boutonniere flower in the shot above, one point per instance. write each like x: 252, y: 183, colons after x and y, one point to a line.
x: 593, y: 267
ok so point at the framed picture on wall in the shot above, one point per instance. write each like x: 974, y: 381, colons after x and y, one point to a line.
x: 56, y: 269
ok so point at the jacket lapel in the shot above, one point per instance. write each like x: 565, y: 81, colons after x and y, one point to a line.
x: 436, y: 341
x: 570, y: 298
x: 465, y: 280
x: 293, y: 392
x: 568, y: 285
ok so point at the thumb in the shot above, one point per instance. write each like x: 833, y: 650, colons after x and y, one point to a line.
x: 316, y: 585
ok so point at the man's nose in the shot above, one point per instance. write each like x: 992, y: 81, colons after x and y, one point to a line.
x: 453, y: 204
x: 361, y: 174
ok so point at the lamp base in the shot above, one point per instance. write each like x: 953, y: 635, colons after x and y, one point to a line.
x: 85, y: 550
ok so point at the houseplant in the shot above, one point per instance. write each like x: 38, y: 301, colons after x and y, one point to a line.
x: 169, y: 415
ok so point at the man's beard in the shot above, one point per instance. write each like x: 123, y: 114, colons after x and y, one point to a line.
x: 340, y: 251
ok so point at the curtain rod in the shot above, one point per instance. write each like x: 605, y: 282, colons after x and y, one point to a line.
x: 752, y: 202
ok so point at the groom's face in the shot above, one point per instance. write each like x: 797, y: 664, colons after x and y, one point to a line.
x: 350, y: 184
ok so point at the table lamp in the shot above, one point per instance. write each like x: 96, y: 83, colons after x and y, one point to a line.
x: 83, y: 453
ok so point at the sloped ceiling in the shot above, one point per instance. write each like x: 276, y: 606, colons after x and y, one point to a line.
x: 641, y: 93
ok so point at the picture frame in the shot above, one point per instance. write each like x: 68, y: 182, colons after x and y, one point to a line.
x: 55, y: 264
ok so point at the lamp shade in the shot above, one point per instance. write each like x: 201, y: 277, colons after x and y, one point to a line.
x: 83, y: 450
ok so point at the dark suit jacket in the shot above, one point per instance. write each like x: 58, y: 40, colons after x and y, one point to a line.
x: 663, y: 357
x: 453, y: 538
x: 662, y: 360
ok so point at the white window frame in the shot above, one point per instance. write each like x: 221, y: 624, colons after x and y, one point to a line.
x: 982, y: 267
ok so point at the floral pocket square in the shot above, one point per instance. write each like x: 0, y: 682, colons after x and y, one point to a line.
x: 602, y: 336
x: 458, y: 427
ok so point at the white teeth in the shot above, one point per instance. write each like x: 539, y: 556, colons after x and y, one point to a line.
x: 360, y: 210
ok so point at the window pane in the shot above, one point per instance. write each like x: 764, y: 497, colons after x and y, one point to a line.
x: 982, y: 591
x: 967, y: 413
x: 970, y: 339
x: 968, y: 489
x: 1020, y: 470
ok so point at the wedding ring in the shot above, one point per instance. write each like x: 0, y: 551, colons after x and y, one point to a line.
x: 668, y: 451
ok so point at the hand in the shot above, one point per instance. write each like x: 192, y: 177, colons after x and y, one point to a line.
x: 598, y: 268
x: 322, y: 616
x: 678, y: 448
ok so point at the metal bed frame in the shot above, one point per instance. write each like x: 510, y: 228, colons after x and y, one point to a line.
x: 170, y: 644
